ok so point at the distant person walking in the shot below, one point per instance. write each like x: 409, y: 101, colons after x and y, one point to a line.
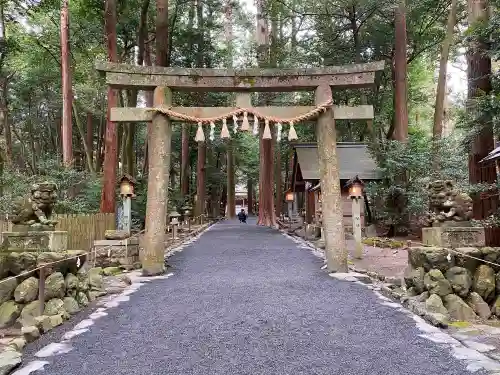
x: 242, y: 216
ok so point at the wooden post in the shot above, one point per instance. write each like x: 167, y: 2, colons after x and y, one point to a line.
x: 41, y: 290
x: 159, y: 149
x: 331, y: 202
x: 356, y: 227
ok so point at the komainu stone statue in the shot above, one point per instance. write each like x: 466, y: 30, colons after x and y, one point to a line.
x: 447, y: 204
x: 35, y: 209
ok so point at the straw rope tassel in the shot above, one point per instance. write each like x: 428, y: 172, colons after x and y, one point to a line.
x: 212, y: 130
x: 235, y: 122
x: 200, y: 134
x: 292, y: 134
x: 224, y: 133
x: 267, y: 131
x: 278, y: 132
x: 245, y: 126
x: 255, y: 125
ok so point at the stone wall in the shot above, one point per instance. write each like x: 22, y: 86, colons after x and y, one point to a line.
x: 455, y: 286
x: 69, y: 286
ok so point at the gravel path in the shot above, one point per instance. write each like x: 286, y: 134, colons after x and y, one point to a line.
x: 247, y: 300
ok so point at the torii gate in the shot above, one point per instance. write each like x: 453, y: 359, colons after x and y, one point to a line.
x: 162, y: 80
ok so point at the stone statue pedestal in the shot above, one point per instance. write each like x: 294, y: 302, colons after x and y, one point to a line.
x: 454, y: 235
x: 35, y: 241
x: 112, y: 253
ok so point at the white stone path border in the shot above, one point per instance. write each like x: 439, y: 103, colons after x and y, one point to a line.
x: 471, y: 353
x: 64, y: 346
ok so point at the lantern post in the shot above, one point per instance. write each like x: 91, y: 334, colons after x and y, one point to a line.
x: 174, y: 222
x: 290, y: 198
x: 356, y: 194
x: 187, y: 216
x: 127, y: 192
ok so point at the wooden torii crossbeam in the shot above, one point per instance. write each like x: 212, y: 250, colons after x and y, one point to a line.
x: 162, y: 80
x: 196, y: 79
x: 135, y: 114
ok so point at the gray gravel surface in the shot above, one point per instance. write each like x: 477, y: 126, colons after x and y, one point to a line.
x: 246, y: 300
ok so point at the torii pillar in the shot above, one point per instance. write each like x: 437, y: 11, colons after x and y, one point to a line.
x: 331, y: 200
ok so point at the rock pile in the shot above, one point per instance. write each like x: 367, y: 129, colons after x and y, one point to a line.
x: 453, y: 286
x: 65, y: 294
x: 22, y: 319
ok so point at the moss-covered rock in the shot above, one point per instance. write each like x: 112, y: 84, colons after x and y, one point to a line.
x: 45, y: 323
x: 495, y: 309
x: 20, y: 262
x: 491, y: 254
x: 9, y: 312
x: 466, y: 258
x: 95, y: 279
x: 30, y: 333
x: 484, y: 282
x: 458, y: 309
x: 383, y: 242
x: 94, y: 294
x: 55, y: 306
x: 111, y: 271
x: 27, y: 291
x: 7, y: 288
x: 430, y: 258
x: 71, y: 305
x: 82, y: 299
x: 71, y: 282
x: 415, y: 278
x: 55, y: 286
x: 436, y: 283
x: 29, y: 313
x: 460, y: 279
x: 435, y: 304
x: 481, y: 308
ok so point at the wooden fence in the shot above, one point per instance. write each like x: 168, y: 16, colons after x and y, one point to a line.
x: 82, y: 229
x: 492, y: 236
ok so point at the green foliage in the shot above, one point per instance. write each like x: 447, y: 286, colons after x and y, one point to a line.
x: 401, y: 197
x: 78, y: 191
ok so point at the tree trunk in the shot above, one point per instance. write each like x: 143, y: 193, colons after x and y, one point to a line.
x: 231, y: 202
x: 479, y: 75
x: 160, y: 136
x: 4, y: 118
x: 162, y: 32
x: 4, y: 84
x: 185, y: 160
x: 400, y: 92
x: 67, y: 92
x: 250, y: 196
x: 331, y: 206
x: 267, y: 214
x: 89, y: 138
x: 202, y: 146
x: 353, y: 18
x: 129, y: 162
x: 274, y: 51
x: 110, y: 139
x: 200, y: 179
x: 437, y: 129
x: 279, y: 188
x: 149, y: 104
x: 100, y: 144
x: 86, y: 148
